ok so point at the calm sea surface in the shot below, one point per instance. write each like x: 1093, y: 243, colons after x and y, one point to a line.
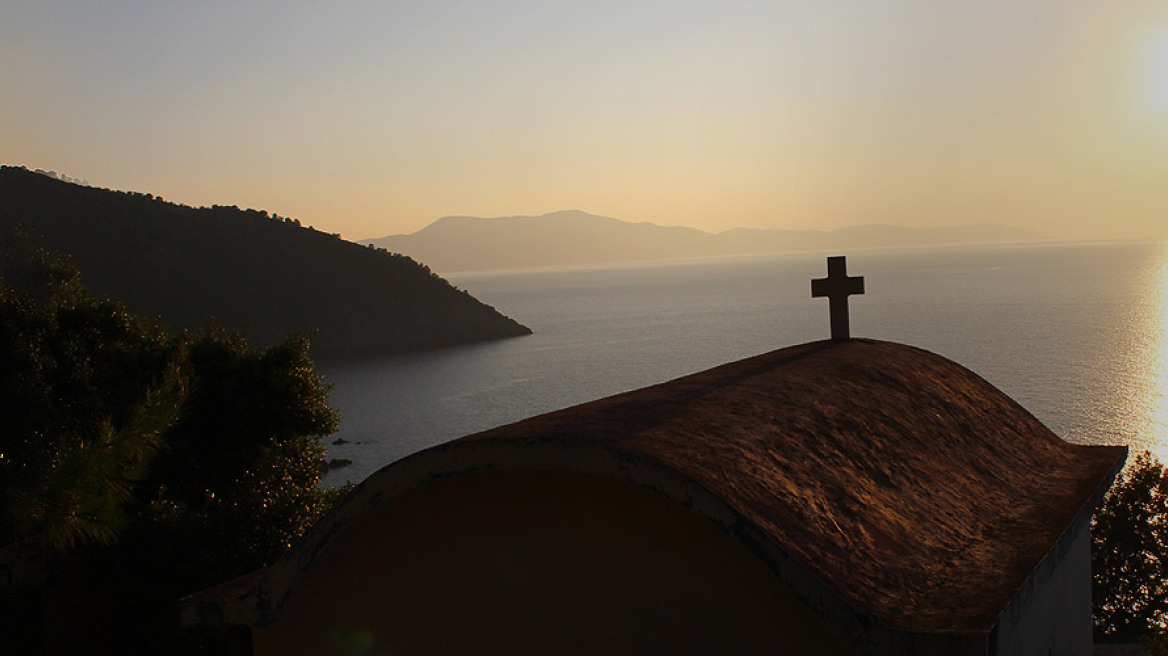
x: 1078, y: 334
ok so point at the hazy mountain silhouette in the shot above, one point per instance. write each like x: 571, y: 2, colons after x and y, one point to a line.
x: 246, y: 269
x: 572, y: 237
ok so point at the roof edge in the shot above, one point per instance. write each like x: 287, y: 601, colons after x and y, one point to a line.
x: 1085, y: 515
x: 257, y: 599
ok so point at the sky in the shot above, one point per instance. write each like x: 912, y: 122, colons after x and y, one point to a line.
x: 376, y: 118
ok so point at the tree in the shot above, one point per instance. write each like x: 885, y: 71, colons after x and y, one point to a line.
x: 150, y: 465
x: 85, y: 391
x: 240, y: 476
x: 1130, y: 553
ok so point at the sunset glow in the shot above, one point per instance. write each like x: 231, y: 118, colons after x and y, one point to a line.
x: 760, y: 326
x: 376, y: 119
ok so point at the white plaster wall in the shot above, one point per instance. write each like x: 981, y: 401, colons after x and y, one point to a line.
x: 1052, y: 613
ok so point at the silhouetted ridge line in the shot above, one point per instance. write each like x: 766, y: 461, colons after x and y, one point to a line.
x: 573, y: 238
x: 247, y: 270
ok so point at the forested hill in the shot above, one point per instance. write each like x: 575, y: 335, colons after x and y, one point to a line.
x: 246, y: 269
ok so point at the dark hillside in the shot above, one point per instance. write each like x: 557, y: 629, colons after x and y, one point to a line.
x: 248, y: 270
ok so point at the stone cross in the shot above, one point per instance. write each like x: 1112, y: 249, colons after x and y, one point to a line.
x: 837, y: 286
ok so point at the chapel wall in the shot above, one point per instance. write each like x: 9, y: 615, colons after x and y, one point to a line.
x: 1052, y: 612
x: 540, y: 562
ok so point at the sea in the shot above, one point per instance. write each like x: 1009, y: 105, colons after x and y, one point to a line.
x: 1077, y: 333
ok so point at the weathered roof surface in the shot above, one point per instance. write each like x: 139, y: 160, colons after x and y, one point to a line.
x: 873, y: 477
x: 918, y: 491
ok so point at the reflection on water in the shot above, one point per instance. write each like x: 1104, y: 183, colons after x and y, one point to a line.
x: 1149, y: 399
x: 1121, y: 395
x: 1076, y: 333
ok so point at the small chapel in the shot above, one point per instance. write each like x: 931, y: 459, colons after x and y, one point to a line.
x: 848, y: 496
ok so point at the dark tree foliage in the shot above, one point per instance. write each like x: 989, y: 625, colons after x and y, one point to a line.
x: 1130, y: 553
x: 85, y: 389
x: 150, y: 466
x: 243, y: 465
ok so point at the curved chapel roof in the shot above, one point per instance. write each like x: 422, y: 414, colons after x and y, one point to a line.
x: 882, y: 482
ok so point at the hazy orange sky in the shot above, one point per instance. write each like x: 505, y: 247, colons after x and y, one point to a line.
x: 375, y: 118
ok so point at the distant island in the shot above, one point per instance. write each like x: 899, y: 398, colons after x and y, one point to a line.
x: 246, y: 269
x: 572, y: 237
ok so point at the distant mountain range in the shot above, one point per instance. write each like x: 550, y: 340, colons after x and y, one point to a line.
x: 572, y: 237
x: 246, y: 269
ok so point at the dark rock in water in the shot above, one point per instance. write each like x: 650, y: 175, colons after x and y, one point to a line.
x: 340, y: 440
x: 337, y: 463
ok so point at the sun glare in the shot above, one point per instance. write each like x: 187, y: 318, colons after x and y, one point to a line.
x: 1143, y: 413
x: 1157, y: 70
